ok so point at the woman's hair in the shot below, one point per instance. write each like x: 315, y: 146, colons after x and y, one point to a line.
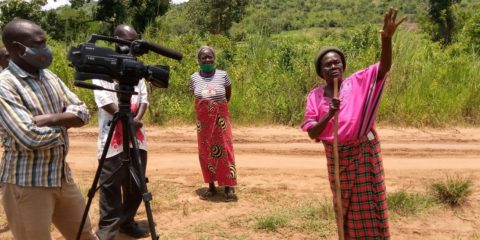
x: 323, y: 51
x: 201, y: 49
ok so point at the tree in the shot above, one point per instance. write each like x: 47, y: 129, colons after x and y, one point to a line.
x: 69, y: 24
x: 441, y: 14
x: 146, y: 12
x: 11, y: 9
x: 143, y: 12
x: 215, y: 16
x: 78, y: 3
x: 472, y: 30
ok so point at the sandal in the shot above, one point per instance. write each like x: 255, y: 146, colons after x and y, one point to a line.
x: 208, y: 194
x: 230, y: 194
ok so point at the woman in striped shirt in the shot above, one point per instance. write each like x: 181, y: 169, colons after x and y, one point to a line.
x: 212, y: 90
x: 361, y: 172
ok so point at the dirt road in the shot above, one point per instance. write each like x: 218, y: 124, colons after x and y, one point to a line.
x: 287, y: 148
x: 279, y: 167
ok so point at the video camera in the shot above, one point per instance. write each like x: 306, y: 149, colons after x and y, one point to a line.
x: 93, y: 62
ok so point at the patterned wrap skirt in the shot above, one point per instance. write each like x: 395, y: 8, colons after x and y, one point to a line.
x: 364, y: 202
x: 215, y: 145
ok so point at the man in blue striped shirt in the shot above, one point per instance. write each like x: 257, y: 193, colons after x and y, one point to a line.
x: 36, y: 109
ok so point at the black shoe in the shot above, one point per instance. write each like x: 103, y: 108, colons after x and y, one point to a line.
x: 133, y: 230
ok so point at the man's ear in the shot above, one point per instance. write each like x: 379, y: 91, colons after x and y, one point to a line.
x: 18, y: 47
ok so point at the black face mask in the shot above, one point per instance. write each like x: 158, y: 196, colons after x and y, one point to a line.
x: 39, y: 58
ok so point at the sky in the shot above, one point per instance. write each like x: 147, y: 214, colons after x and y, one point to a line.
x: 54, y: 4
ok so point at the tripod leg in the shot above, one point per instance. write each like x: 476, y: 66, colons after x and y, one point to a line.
x: 133, y: 199
x: 93, y: 188
x: 138, y: 174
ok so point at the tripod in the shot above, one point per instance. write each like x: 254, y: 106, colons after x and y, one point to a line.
x: 125, y: 116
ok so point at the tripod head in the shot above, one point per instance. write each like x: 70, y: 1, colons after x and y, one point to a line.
x: 124, y: 93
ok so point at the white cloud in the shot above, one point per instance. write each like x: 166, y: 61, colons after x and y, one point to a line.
x: 55, y: 4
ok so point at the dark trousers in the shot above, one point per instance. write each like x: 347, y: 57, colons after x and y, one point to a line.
x: 117, y: 209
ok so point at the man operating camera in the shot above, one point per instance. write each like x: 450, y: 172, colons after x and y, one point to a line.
x: 120, y: 197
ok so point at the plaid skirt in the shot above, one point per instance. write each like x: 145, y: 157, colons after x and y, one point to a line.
x: 364, y: 202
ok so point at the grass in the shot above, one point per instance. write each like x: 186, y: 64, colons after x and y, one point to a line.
x: 271, y: 76
x: 454, y: 191
x: 476, y: 236
x: 312, y: 217
x: 259, y: 214
x: 406, y: 203
x: 272, y: 221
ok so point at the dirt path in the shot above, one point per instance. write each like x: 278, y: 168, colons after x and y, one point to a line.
x: 279, y: 166
x: 287, y: 148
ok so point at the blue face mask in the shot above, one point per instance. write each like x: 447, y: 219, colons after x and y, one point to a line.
x: 39, y: 58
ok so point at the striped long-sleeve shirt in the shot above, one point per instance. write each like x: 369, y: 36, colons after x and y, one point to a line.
x: 34, y: 156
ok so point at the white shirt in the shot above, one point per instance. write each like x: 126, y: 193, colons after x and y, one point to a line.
x: 103, y: 98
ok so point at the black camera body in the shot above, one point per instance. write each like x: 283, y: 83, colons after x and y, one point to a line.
x: 94, y: 62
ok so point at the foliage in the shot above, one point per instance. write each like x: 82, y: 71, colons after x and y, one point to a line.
x: 69, y: 24
x: 137, y: 12
x: 215, y: 16
x: 274, y: 16
x: 145, y: 12
x: 174, y: 22
x: 453, y: 191
x: 443, y: 19
x: 270, y: 63
x: 30, y: 10
x: 271, y: 76
x: 472, y: 28
x: 77, y: 3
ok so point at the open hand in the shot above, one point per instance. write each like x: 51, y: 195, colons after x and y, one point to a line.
x: 389, y: 24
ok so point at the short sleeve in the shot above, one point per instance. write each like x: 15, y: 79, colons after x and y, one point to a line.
x: 367, y: 76
x: 311, y: 111
x: 227, y: 80
x: 102, y: 98
x: 142, y: 91
x: 191, y: 84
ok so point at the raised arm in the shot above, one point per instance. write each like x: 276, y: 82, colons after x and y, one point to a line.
x: 389, y: 28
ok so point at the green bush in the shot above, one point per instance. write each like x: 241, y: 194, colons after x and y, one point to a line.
x: 453, y: 192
